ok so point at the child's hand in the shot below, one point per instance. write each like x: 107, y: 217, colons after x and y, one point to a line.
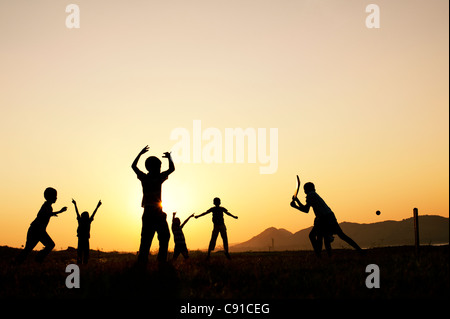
x: 99, y: 203
x: 166, y: 155
x: 73, y: 201
x: 235, y: 217
x: 193, y: 215
x: 293, y: 202
x: 144, y: 150
x: 63, y: 209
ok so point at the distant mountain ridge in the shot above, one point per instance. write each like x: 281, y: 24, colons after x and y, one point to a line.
x: 433, y: 229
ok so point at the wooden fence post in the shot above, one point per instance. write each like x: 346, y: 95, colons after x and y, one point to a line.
x: 416, y: 229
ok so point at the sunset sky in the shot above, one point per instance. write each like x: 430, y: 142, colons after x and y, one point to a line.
x: 363, y: 113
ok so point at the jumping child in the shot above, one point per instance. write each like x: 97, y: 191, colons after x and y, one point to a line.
x: 37, y: 231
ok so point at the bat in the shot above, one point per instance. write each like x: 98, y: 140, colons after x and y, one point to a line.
x: 298, y: 187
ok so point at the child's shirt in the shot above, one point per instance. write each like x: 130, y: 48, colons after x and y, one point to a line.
x: 319, y: 206
x: 43, y: 217
x: 151, y: 187
x: 84, y: 227
x: 217, y: 212
x: 178, y: 235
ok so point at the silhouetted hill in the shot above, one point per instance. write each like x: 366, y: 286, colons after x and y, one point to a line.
x: 432, y: 230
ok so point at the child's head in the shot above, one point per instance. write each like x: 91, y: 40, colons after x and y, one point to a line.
x: 153, y: 164
x: 84, y: 215
x: 309, y: 187
x: 176, y: 221
x: 216, y: 201
x: 50, y: 194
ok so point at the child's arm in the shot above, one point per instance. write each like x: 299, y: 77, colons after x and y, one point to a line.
x: 171, y: 165
x: 203, y: 214
x: 298, y: 205
x: 136, y: 160
x: 184, y: 223
x: 60, y: 211
x: 98, y: 205
x: 76, y: 208
x: 230, y: 214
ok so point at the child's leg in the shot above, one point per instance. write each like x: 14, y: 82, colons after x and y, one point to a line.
x: 327, y: 243
x: 347, y: 239
x: 314, y: 241
x: 176, y: 252
x: 144, y: 247
x: 49, y: 245
x: 147, y: 234
x: 163, y: 237
x: 184, y: 252
x: 212, y: 243
x: 223, y: 234
x: 80, y: 251
x: 32, y: 240
x: 86, y: 251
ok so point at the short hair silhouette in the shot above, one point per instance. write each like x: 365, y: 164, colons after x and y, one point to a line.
x: 50, y: 193
x: 153, y: 164
x: 309, y: 187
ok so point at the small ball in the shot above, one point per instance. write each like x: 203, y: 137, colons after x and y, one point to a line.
x: 378, y: 212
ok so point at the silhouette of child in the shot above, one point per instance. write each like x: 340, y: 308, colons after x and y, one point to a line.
x: 84, y: 233
x: 325, y: 223
x: 153, y: 218
x: 219, y: 226
x: 178, y: 237
x: 37, y: 231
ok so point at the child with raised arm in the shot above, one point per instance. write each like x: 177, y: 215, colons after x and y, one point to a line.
x: 84, y: 233
x: 178, y: 237
x: 219, y: 226
x: 325, y: 223
x: 153, y: 218
x: 38, y: 228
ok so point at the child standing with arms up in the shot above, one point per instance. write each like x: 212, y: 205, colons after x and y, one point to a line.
x: 153, y: 218
x: 219, y: 226
x: 84, y: 233
x: 178, y: 237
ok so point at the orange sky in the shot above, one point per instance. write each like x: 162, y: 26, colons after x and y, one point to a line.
x: 363, y: 113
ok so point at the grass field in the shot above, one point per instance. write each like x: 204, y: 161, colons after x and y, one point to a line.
x: 248, y: 276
